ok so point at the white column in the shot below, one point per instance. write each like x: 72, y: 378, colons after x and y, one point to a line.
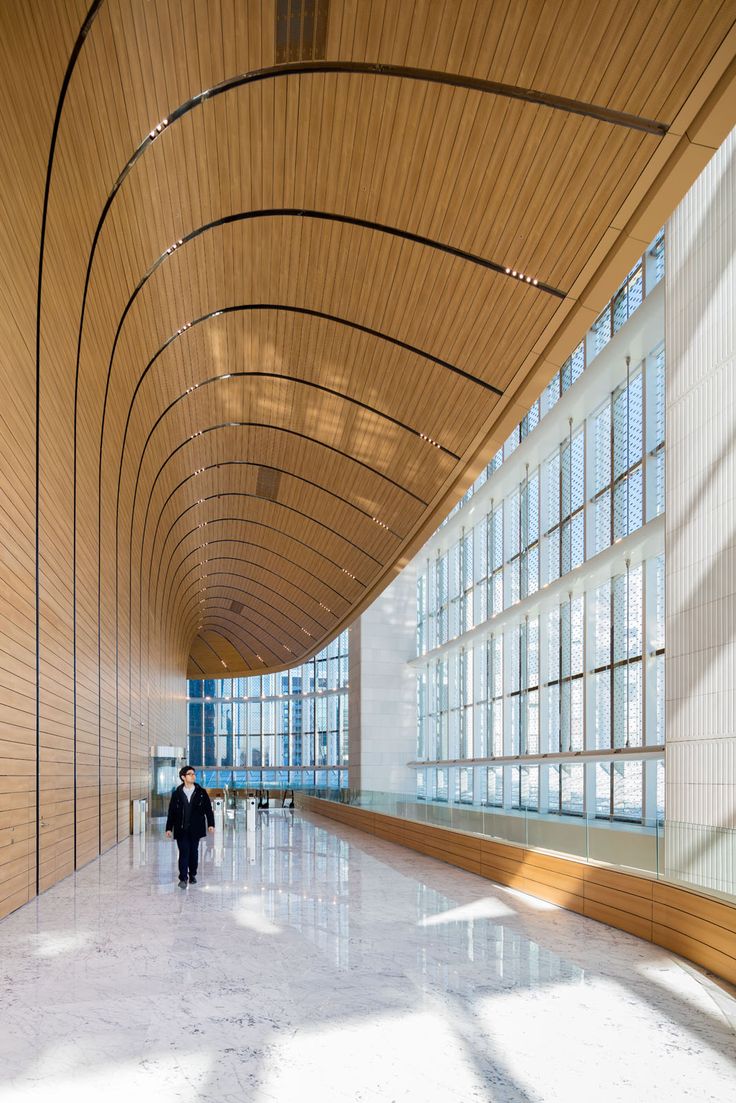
x: 700, y: 837
x: 383, y: 702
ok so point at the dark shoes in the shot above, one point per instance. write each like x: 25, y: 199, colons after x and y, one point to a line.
x: 192, y: 880
x: 182, y: 882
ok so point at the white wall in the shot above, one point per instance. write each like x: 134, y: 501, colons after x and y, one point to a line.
x: 382, y: 702
x: 700, y: 543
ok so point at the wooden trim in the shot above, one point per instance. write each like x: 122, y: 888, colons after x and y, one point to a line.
x: 689, y: 923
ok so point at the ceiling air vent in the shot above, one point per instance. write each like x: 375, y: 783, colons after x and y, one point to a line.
x: 236, y: 607
x: 267, y: 483
x: 301, y: 29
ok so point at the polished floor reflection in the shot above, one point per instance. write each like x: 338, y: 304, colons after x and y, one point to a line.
x: 314, y: 962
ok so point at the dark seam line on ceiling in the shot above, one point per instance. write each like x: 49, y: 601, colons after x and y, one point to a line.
x: 271, y: 528
x: 259, y: 547
x: 431, y: 76
x: 209, y: 613
x: 282, y: 471
x: 240, y: 424
x: 309, y: 312
x: 185, y: 600
x: 250, y: 578
x: 259, y: 425
x: 225, y: 624
x: 268, y: 375
x: 254, y: 634
x: 76, y: 50
x: 191, y: 659
x: 233, y: 558
x: 268, y: 501
x: 261, y: 585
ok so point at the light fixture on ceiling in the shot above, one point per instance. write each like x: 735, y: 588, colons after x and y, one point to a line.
x: 520, y: 276
x: 158, y: 128
x: 430, y: 440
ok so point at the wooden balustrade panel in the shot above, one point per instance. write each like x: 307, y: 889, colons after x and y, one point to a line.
x: 696, y: 926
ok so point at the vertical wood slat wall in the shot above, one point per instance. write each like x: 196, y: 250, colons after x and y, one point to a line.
x: 66, y: 782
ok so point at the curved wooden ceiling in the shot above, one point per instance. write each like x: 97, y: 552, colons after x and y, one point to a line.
x: 286, y: 280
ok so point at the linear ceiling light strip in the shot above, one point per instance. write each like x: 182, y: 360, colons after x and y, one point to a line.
x: 185, y: 594
x: 221, y: 586
x: 185, y: 602
x: 219, y: 621
x: 280, y: 471
x: 258, y: 582
x: 245, y: 424
x: 246, y: 544
x: 272, y: 502
x: 184, y: 611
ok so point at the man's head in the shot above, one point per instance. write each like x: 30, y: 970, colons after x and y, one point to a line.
x: 187, y: 775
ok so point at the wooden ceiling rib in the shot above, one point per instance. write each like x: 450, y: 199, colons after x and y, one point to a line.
x: 280, y: 307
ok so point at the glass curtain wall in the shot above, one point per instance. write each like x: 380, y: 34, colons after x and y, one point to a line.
x: 551, y: 698
x: 273, y: 731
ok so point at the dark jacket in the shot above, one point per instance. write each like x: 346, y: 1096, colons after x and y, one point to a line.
x: 201, y: 814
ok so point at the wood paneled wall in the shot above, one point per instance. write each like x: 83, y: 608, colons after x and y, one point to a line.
x: 696, y: 926
x: 73, y: 757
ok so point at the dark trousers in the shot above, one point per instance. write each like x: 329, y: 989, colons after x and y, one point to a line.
x: 188, y: 855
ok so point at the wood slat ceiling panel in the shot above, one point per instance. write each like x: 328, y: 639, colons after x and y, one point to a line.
x: 232, y: 444
x: 264, y: 574
x: 395, y: 384
x: 579, y: 50
x: 505, y: 195
x: 291, y: 492
x: 518, y: 184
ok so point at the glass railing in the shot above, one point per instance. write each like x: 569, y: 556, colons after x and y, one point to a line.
x: 702, y: 858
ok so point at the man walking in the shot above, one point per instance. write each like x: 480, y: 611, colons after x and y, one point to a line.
x: 190, y: 818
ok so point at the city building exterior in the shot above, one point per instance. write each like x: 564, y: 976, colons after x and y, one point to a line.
x: 273, y: 731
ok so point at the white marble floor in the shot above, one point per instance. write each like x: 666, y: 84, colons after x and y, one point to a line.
x: 314, y: 962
